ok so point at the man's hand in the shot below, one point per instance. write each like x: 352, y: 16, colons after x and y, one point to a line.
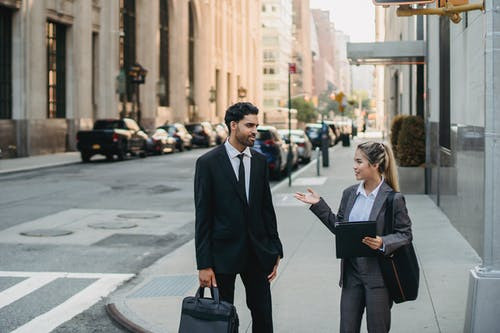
x: 274, y: 273
x: 207, y: 277
x: 374, y: 243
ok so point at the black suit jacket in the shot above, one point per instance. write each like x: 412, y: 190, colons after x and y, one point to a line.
x: 227, y: 228
x: 368, y: 267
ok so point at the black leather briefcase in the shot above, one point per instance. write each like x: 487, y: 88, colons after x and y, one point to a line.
x: 208, y: 315
x: 400, y: 269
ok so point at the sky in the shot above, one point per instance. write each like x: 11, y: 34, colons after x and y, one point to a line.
x: 356, y: 18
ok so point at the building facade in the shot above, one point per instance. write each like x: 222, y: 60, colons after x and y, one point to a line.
x: 66, y: 63
x: 462, y: 69
x: 342, y: 65
x: 277, y: 45
x: 324, y: 70
x: 302, y: 50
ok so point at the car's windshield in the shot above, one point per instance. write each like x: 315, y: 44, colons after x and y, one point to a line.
x: 108, y: 124
x: 264, y: 135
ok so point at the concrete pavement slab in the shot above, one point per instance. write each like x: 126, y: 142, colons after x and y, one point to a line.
x: 89, y: 226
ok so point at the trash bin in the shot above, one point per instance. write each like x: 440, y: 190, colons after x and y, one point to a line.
x: 346, y: 140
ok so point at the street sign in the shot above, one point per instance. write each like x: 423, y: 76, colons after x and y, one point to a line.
x: 400, y: 2
x: 292, y: 68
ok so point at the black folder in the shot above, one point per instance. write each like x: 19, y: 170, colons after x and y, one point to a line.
x: 348, y: 237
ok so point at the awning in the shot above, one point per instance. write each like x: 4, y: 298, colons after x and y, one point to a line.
x: 387, y: 53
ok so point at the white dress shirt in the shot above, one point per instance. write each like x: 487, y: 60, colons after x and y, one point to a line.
x: 235, y: 162
x: 364, y: 203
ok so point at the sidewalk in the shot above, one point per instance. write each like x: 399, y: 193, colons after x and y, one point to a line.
x: 306, y: 295
x: 12, y: 165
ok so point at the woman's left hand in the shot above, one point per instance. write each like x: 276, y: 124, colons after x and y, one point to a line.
x: 374, y: 243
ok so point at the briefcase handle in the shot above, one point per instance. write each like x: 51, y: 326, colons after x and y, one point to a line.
x: 213, y: 290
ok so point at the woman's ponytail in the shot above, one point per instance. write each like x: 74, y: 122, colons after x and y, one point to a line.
x: 391, y: 171
x: 381, y: 154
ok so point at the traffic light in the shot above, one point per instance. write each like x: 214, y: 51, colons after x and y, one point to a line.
x: 401, y: 2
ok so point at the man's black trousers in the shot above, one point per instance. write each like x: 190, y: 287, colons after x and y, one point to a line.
x: 258, y: 294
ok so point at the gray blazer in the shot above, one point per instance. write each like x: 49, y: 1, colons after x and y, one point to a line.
x: 367, y: 268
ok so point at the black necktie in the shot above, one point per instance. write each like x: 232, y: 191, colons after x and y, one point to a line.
x: 241, y: 176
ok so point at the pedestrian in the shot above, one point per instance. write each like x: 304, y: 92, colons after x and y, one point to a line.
x: 236, y: 229
x: 361, y: 278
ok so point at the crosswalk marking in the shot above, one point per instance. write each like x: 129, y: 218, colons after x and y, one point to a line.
x: 23, y: 288
x: 81, y: 301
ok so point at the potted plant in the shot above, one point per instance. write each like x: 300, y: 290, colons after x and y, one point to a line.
x: 409, y: 151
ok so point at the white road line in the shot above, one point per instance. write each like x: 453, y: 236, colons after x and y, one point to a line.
x: 72, y: 306
x: 23, y: 288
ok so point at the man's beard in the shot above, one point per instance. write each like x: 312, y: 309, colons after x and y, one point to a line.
x: 244, y: 140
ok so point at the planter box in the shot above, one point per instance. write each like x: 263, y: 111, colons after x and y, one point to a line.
x: 411, y: 180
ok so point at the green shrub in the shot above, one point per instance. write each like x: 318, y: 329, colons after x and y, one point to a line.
x: 411, y: 142
x: 397, y: 121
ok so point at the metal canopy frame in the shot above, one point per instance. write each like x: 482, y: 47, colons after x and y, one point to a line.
x: 387, y: 53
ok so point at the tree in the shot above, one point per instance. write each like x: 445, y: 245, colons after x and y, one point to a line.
x: 305, y: 110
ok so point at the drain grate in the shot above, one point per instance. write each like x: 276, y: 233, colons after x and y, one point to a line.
x: 46, y: 233
x: 166, y: 286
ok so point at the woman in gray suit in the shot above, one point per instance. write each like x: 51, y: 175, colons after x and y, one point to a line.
x: 361, y: 279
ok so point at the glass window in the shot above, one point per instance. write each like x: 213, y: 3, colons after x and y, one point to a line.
x: 5, y: 63
x: 56, y: 68
x: 164, y: 46
x: 127, y: 41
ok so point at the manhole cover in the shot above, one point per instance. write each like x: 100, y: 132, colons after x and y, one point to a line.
x: 113, y: 225
x: 46, y: 233
x: 141, y: 216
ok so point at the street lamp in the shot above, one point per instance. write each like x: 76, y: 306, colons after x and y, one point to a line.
x: 213, y: 94
x: 242, y: 92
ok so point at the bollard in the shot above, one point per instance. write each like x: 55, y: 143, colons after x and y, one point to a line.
x: 318, y: 160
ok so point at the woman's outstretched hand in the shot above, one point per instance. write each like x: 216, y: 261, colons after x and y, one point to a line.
x: 308, y: 198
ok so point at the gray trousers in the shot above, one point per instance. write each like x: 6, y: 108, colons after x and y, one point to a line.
x: 356, y: 296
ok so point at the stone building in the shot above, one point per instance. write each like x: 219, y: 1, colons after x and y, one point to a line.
x: 276, y: 22
x: 65, y: 63
x: 302, y: 51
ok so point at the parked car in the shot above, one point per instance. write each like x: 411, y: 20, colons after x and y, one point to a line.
x: 335, y: 129
x: 221, y: 132
x: 110, y: 137
x: 270, y: 143
x: 293, y: 146
x: 313, y: 131
x: 203, y: 134
x: 304, y: 145
x: 180, y: 134
x: 160, y: 142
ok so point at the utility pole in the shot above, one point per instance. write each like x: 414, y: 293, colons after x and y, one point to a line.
x: 292, y: 69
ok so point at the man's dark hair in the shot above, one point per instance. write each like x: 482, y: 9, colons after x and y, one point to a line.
x: 238, y: 111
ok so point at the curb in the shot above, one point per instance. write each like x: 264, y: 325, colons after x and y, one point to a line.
x: 37, y: 167
x: 120, y: 319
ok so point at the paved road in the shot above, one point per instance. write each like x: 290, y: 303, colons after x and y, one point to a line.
x: 87, y: 229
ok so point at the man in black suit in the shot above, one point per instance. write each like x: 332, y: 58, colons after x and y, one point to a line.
x: 236, y: 231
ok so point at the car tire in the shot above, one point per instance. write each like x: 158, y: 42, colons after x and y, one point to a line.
x: 122, y: 152
x: 85, y: 156
x: 181, y: 147
x: 109, y: 157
